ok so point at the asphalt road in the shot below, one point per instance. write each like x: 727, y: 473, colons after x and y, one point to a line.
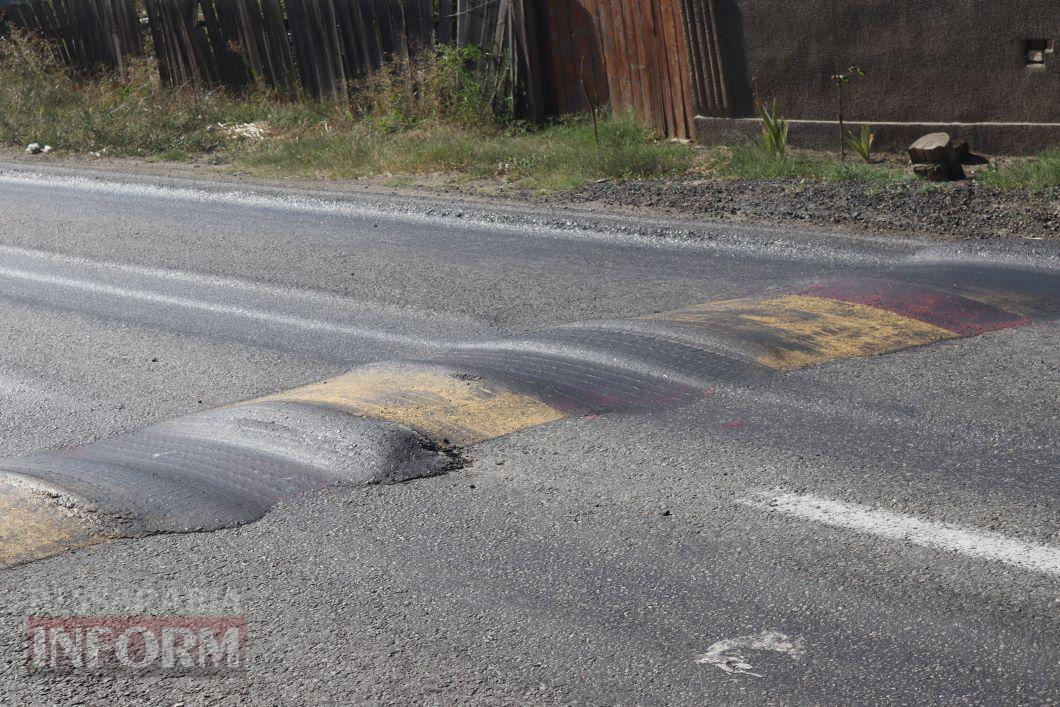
x: 871, y: 530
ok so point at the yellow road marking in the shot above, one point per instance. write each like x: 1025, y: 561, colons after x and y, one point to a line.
x: 795, y: 331
x: 33, y: 526
x: 439, y: 405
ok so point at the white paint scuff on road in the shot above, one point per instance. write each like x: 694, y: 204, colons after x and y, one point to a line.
x: 970, y: 542
x: 214, y: 308
x: 45, y: 261
x: 732, y: 238
x: 728, y: 655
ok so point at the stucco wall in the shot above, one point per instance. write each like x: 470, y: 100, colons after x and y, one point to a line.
x: 926, y: 60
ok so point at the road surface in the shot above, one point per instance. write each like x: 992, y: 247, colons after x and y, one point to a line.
x: 846, y: 529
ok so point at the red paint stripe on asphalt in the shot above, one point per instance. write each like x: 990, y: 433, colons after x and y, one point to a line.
x: 961, y: 315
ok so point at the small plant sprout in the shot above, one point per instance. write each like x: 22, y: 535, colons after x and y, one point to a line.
x: 774, y: 129
x: 841, y: 81
x: 861, y: 142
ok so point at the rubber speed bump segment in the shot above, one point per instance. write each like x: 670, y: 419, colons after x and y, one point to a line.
x: 35, y: 523
x: 392, y: 422
x: 455, y: 409
x: 795, y: 331
x: 963, y: 315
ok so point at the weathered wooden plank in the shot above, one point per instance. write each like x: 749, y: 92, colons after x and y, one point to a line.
x: 662, y: 61
x: 446, y: 21
x: 303, y: 43
x: 681, y: 78
x: 531, y: 80
x: 654, y: 107
x: 608, y: 52
x: 594, y: 88
x: 695, y: 58
x: 462, y: 20
x: 280, y: 65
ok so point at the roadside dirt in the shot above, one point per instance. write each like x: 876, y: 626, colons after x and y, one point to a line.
x: 952, y: 212
x: 960, y: 211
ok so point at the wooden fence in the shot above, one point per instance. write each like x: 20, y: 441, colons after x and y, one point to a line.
x: 658, y: 58
x: 321, y: 45
x: 86, y: 33
x: 633, y: 53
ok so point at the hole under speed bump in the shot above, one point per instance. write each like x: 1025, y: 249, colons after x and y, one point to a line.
x: 450, y: 408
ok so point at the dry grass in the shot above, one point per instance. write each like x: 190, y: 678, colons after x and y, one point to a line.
x: 751, y: 161
x: 563, y: 156
x: 435, y: 117
x: 1041, y: 172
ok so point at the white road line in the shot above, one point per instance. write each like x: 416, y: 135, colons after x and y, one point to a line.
x: 220, y: 309
x: 970, y: 542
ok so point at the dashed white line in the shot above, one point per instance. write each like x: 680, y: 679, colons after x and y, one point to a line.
x: 970, y: 542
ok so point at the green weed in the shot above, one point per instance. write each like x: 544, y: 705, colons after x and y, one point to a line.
x: 1041, y: 172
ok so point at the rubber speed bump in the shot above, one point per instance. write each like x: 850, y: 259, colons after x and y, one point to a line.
x: 35, y: 523
x: 392, y: 422
x: 453, y: 409
x: 963, y: 315
x: 794, y: 331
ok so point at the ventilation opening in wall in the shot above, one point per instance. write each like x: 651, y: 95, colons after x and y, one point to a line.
x: 1036, y: 51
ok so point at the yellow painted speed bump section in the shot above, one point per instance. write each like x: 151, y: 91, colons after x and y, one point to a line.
x: 794, y: 331
x: 445, y: 407
x: 34, y: 526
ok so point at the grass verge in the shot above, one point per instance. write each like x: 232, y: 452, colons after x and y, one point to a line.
x: 751, y: 161
x: 1036, y: 174
x: 562, y: 156
x: 435, y: 117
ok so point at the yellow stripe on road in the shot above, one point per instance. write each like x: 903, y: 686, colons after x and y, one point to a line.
x: 34, y: 526
x: 795, y: 331
x: 445, y: 407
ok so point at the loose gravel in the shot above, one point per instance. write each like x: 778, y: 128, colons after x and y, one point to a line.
x: 960, y: 211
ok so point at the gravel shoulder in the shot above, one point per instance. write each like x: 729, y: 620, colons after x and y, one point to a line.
x: 964, y: 211
x: 960, y: 211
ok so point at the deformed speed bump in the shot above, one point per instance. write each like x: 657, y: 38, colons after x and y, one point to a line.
x: 387, y: 423
x: 34, y: 524
x: 453, y: 409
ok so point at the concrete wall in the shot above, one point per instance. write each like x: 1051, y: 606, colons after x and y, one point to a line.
x: 926, y: 60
